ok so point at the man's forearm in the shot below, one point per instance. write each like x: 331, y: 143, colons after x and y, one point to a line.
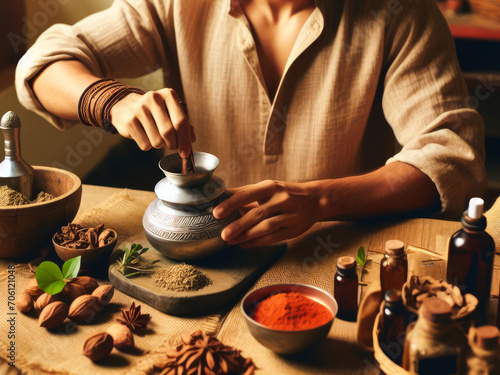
x: 59, y: 86
x: 394, y: 188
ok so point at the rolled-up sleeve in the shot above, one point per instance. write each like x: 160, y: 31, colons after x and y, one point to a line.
x: 127, y: 40
x: 426, y: 103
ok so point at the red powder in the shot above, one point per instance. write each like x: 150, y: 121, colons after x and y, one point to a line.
x: 291, y: 312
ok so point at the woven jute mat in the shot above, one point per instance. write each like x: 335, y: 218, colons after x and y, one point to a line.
x: 59, y: 351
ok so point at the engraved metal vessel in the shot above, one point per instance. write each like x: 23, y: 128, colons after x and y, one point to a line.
x: 179, y: 223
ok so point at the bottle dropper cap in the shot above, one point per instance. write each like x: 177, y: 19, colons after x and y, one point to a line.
x: 476, y: 207
x: 473, y: 219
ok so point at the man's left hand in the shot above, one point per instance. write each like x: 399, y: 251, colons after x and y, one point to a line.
x: 276, y: 211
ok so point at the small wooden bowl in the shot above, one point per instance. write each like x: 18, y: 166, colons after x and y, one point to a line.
x: 89, y: 256
x: 24, y: 229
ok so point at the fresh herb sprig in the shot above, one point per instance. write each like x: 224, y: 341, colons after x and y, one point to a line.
x: 361, y: 261
x: 51, y: 279
x: 130, y: 264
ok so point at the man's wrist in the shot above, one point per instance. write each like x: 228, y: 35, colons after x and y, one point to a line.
x: 327, y: 206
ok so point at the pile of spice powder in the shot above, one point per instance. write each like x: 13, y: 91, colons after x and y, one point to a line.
x: 291, y: 312
x: 181, y: 278
x: 10, y: 197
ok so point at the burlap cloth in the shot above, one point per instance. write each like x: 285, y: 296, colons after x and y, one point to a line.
x: 312, y: 261
x: 59, y: 351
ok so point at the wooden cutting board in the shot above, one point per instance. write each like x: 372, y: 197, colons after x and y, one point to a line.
x: 232, y: 273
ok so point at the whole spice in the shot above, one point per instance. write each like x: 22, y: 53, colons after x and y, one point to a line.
x: 24, y: 303
x: 84, y: 308
x: 44, y: 300
x: 104, y: 293
x: 33, y: 290
x: 73, y: 236
x: 133, y: 318
x: 122, y: 336
x: 420, y: 288
x: 72, y: 291
x: 88, y: 283
x: 291, y: 312
x: 180, y: 278
x: 98, y: 346
x: 204, y: 354
x: 53, y: 314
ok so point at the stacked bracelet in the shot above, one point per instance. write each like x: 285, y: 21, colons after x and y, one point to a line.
x: 97, y: 100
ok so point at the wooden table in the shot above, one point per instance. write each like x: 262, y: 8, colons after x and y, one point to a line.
x: 426, y: 233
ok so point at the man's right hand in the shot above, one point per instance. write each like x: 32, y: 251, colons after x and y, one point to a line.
x: 154, y: 119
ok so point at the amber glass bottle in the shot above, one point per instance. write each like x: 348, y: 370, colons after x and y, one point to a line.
x: 394, y: 321
x: 434, y: 344
x: 394, y: 266
x: 484, y: 357
x: 471, y: 253
x: 346, y: 288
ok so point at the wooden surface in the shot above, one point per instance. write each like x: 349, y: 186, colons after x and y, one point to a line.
x: 232, y: 272
x: 340, y: 348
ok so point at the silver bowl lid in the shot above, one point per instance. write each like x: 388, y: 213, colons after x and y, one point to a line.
x: 205, y: 163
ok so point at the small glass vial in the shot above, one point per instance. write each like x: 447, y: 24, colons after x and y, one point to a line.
x: 346, y: 288
x: 484, y: 358
x: 434, y: 344
x: 394, y: 321
x: 394, y: 266
x: 471, y: 252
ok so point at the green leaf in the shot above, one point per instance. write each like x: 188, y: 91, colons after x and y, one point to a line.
x: 71, y: 267
x: 49, y: 278
x: 361, y: 257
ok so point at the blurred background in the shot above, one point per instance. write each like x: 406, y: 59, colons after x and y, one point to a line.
x: 109, y: 160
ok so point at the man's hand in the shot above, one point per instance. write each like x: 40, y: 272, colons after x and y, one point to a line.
x: 154, y: 119
x: 275, y: 211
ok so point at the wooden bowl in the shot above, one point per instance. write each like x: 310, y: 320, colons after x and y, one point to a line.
x: 24, y: 229
x: 89, y: 256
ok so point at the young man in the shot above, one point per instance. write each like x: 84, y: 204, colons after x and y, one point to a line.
x: 295, y: 97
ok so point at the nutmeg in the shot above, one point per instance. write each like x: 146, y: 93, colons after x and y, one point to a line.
x: 122, y: 336
x: 72, y: 291
x: 53, y: 314
x: 44, y: 300
x: 88, y: 283
x: 98, y: 346
x: 24, y: 303
x: 84, y: 308
x: 33, y: 290
x: 104, y: 293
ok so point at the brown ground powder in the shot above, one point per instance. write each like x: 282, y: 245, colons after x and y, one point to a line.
x: 10, y: 197
x: 181, y: 278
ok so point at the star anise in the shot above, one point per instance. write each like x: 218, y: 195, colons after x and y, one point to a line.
x: 133, y: 318
x: 203, y: 354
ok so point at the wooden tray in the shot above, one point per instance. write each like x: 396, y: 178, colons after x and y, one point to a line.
x: 232, y: 272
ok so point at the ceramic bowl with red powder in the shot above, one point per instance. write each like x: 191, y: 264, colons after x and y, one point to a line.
x: 288, y: 318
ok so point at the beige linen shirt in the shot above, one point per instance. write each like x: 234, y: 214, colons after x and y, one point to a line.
x: 360, y: 74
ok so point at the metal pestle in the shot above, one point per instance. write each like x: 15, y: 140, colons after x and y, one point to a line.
x: 187, y: 163
x: 14, y: 171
